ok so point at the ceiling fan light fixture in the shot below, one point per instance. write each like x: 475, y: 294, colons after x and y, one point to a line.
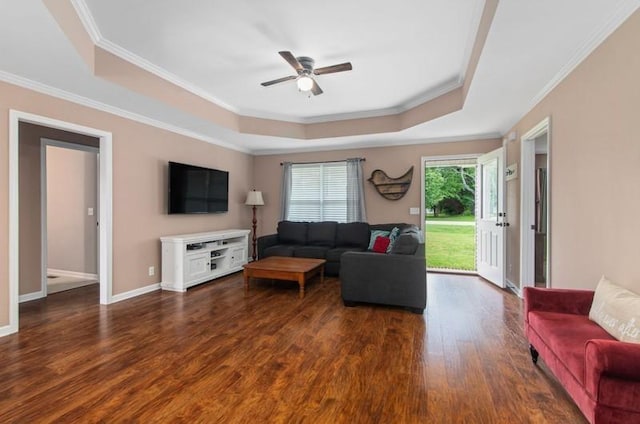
x: 305, y: 83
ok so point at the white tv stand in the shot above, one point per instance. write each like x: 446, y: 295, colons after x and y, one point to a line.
x: 191, y: 259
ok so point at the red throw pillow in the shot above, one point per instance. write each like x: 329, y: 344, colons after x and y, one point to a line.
x: 381, y: 244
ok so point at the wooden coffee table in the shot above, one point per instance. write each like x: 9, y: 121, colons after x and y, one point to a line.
x: 284, y: 268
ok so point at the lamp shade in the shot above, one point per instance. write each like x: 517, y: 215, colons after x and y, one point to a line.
x: 254, y: 198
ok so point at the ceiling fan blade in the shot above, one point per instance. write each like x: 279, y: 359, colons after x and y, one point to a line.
x: 335, y: 68
x: 279, y: 80
x: 315, y: 89
x: 289, y: 57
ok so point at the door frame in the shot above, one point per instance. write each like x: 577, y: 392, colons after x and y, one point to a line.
x: 105, y: 213
x: 527, y: 204
x: 44, y: 235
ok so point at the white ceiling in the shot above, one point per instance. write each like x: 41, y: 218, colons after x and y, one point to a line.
x: 400, y: 52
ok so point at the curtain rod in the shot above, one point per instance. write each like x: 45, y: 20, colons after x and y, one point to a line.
x: 324, y: 161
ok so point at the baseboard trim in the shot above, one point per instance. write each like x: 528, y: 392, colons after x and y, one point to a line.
x: 136, y: 292
x: 7, y: 330
x: 31, y: 296
x: 65, y: 273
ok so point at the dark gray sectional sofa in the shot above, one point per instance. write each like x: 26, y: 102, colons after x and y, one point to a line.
x: 396, y: 278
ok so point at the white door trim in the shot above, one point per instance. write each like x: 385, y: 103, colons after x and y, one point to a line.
x: 423, y: 163
x: 44, y: 240
x: 106, y: 195
x: 527, y: 207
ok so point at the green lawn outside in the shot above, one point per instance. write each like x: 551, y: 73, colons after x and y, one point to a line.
x: 451, y: 247
x: 465, y: 218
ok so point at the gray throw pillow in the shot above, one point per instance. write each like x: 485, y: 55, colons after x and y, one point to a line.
x: 406, y: 244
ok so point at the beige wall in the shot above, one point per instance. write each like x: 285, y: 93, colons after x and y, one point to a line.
x: 594, y: 156
x: 29, y: 195
x: 395, y: 161
x: 140, y: 155
x: 72, y: 188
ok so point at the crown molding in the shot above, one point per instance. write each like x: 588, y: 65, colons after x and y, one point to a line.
x: 372, y: 113
x: 372, y: 144
x: 441, y: 100
x: 430, y: 94
x: 113, y: 110
x: 471, y: 40
x: 87, y: 20
x: 156, y: 70
x: 624, y: 11
x: 148, y: 66
x: 99, y: 40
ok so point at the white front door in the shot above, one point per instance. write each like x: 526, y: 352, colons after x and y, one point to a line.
x: 490, y: 219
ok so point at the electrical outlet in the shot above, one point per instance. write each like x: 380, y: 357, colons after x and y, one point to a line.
x: 152, y: 271
x: 90, y: 211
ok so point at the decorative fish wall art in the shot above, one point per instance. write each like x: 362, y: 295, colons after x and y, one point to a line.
x: 391, y: 188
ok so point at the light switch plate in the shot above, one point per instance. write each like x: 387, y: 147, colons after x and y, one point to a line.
x: 414, y: 211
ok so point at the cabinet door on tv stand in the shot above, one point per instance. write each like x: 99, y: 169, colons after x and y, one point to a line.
x: 197, y: 266
x: 238, y: 256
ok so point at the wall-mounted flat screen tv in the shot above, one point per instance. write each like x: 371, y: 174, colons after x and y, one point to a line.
x: 193, y: 189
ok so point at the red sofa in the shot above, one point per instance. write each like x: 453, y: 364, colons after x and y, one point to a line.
x: 600, y: 373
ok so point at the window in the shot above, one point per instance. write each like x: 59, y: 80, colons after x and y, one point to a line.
x: 318, y: 192
x: 325, y: 191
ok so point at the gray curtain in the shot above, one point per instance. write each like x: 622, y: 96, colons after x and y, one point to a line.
x: 285, y: 192
x: 355, y: 191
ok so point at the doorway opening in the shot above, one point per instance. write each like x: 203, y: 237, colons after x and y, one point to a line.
x: 534, y: 208
x: 69, y: 211
x: 449, y: 213
x: 17, y: 252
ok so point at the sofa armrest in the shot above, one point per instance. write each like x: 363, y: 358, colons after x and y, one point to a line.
x: 566, y: 301
x: 265, y: 242
x: 611, y: 359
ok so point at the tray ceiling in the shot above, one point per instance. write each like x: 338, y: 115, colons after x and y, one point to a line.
x: 220, y: 52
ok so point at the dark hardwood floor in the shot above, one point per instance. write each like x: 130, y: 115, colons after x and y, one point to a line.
x: 213, y: 355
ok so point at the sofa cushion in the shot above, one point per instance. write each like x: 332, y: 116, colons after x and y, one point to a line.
x: 617, y: 311
x: 279, y: 250
x: 315, y: 252
x: 322, y: 233
x: 290, y: 232
x: 334, y: 255
x: 352, y: 234
x: 389, y: 227
x: 566, y: 335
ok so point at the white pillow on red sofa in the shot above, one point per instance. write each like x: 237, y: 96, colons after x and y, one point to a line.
x: 617, y: 311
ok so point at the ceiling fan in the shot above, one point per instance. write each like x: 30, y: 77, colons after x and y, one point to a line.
x: 304, y: 67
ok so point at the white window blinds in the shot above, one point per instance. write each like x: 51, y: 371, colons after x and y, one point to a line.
x: 318, y: 192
